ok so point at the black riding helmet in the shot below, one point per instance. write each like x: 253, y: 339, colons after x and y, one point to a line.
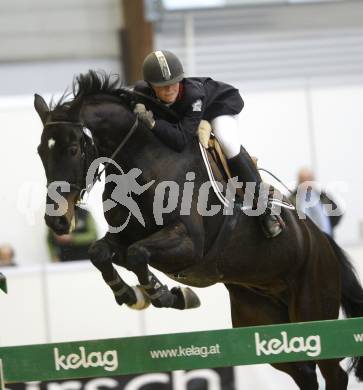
x: 162, y: 68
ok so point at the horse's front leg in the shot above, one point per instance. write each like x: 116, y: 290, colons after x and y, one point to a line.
x: 102, y: 254
x: 171, y: 244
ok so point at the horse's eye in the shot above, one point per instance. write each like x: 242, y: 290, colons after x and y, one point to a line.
x: 73, y: 150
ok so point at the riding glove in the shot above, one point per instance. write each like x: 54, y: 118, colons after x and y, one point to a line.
x: 145, y: 115
x: 204, y: 131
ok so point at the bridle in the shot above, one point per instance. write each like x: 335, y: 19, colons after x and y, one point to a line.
x: 87, y: 188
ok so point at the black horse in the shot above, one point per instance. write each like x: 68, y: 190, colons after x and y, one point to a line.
x: 302, y: 275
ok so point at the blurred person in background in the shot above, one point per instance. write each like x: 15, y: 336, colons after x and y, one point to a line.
x: 310, y: 200
x: 7, y: 255
x: 74, y: 246
x: 195, y: 99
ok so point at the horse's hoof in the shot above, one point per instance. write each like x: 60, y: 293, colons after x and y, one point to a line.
x: 162, y: 297
x: 142, y: 299
x: 186, y: 298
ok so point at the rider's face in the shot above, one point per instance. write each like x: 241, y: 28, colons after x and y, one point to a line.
x: 168, y: 93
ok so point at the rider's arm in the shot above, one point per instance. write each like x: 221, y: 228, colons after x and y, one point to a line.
x: 87, y: 235
x: 53, y: 252
x: 177, y: 135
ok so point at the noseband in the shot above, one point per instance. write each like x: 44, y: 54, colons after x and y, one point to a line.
x: 85, y: 131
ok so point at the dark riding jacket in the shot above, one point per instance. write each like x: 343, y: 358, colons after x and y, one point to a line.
x: 199, y: 98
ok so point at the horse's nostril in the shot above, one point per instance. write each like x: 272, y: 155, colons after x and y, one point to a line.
x: 59, y: 225
x: 62, y: 222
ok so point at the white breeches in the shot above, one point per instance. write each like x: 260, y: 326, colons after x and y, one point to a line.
x: 226, y: 130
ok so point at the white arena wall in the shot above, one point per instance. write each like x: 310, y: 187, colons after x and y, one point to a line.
x: 300, y: 76
x: 287, y: 128
x: 66, y: 302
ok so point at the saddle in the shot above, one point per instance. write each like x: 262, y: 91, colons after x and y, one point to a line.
x: 217, y: 167
x: 214, y: 151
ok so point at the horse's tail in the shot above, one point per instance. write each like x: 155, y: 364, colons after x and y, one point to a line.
x: 352, y: 297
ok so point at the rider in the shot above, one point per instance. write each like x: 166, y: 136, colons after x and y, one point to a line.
x: 194, y: 99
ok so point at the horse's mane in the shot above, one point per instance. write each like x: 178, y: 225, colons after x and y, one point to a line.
x: 100, y: 85
x: 90, y: 84
x: 96, y: 82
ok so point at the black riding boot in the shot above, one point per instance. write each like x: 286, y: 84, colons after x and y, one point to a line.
x: 243, y: 167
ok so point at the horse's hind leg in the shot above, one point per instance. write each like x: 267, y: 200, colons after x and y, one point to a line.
x: 335, y: 377
x: 250, y: 309
x: 318, y: 298
x: 102, y: 253
x: 171, y: 248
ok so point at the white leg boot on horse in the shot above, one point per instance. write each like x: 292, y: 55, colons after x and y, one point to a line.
x: 226, y: 130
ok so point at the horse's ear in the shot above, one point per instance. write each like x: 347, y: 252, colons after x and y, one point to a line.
x: 41, y: 107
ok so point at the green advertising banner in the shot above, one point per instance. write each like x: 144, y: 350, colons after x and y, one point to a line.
x: 230, y: 347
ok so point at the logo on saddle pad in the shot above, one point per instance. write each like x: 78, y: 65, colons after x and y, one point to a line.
x: 108, y: 360
x: 275, y: 346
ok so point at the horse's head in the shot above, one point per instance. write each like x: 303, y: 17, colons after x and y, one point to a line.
x: 65, y: 151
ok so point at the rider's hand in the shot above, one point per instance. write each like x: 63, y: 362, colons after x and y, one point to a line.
x: 144, y: 115
x: 64, y: 239
x: 204, y: 131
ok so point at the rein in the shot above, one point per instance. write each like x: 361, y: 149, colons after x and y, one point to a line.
x: 114, y: 154
x: 97, y: 177
x: 142, y: 97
